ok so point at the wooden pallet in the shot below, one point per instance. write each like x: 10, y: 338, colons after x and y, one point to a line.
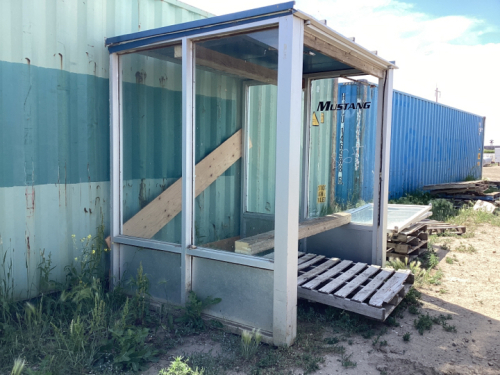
x: 392, y: 255
x: 435, y: 227
x: 364, y: 289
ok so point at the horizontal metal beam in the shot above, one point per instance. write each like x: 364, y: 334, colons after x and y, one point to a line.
x: 344, y: 56
x: 148, y: 244
x: 229, y: 257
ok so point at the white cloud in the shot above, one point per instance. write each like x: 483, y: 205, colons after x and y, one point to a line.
x: 428, y: 50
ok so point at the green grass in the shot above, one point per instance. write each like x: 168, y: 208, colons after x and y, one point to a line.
x: 443, y: 210
x: 465, y: 249
x: 78, y: 326
x: 425, y: 323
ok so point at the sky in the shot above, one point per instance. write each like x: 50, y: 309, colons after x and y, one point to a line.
x: 451, y: 44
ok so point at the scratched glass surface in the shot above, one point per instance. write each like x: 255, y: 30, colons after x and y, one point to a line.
x: 342, y: 146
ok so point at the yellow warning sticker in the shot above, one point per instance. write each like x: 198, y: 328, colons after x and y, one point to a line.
x: 321, y: 193
x: 315, y: 120
x: 322, y: 117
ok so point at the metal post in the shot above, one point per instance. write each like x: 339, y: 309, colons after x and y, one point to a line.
x: 290, y: 49
x: 306, y: 153
x: 188, y: 84
x: 116, y: 176
x: 333, y: 137
x: 382, y: 162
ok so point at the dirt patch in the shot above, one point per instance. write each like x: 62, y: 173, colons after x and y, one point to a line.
x: 469, y: 291
x: 492, y: 173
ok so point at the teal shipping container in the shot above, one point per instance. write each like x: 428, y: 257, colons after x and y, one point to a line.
x: 54, y: 122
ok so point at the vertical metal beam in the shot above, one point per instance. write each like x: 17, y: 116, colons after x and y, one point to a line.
x: 290, y: 49
x: 188, y: 84
x: 116, y: 176
x: 306, y: 134
x: 382, y: 162
x: 333, y: 137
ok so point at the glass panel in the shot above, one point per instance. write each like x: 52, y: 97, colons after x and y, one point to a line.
x: 342, y: 146
x: 223, y: 67
x: 152, y: 143
x: 397, y: 215
x: 262, y: 116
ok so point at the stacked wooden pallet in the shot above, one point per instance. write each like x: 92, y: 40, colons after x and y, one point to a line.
x: 412, y: 242
x: 437, y: 227
x: 467, y: 190
x: 408, y: 243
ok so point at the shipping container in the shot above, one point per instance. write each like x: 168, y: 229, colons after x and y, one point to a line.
x: 54, y: 121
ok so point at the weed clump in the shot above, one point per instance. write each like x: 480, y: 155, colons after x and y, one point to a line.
x: 191, y: 316
x: 178, y: 367
x: 250, y: 342
x: 425, y: 322
x: 78, y: 325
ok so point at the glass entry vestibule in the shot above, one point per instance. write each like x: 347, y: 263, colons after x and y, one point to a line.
x: 233, y: 148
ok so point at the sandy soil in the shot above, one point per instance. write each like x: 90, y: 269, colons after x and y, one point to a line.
x: 470, y: 292
x: 492, y: 173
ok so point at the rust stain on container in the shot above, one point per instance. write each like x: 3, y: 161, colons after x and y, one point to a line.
x: 140, y: 77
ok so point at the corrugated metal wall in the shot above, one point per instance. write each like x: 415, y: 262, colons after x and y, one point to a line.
x: 431, y: 144
x: 54, y: 121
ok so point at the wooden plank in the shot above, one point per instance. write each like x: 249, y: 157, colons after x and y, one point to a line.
x: 403, y: 257
x: 343, y: 303
x: 317, y: 270
x: 402, y: 248
x: 310, y: 262
x: 265, y: 241
x: 424, y: 236
x: 322, y: 224
x: 305, y: 258
x: 346, y: 276
x: 360, y: 279
x: 470, y: 197
x: 396, y: 300
x: 389, y: 289
x: 407, y: 249
x: 453, y: 185
x: 412, y: 229
x: 372, y: 286
x: 226, y: 244
x: 327, y: 275
x: 148, y: 221
x: 340, y: 55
